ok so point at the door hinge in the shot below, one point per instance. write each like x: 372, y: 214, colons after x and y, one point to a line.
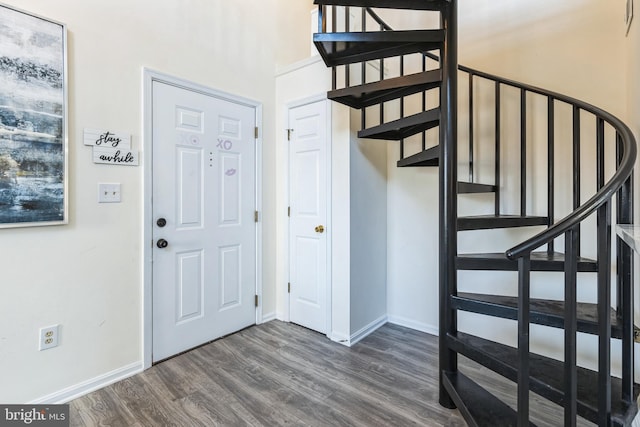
x: 289, y: 134
x: 256, y: 300
x: 289, y: 287
x: 256, y: 216
x: 256, y: 132
x: 289, y: 211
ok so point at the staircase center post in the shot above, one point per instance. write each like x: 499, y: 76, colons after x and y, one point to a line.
x: 448, y: 192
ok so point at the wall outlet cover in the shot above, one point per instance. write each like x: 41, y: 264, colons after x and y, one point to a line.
x: 49, y: 337
x: 109, y: 193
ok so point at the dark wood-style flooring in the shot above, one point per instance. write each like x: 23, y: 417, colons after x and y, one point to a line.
x: 280, y: 374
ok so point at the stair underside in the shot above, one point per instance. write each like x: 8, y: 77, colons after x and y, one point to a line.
x: 386, y: 90
x: 348, y: 48
x: 475, y: 188
x: 394, y: 4
x: 546, y: 377
x: 429, y: 157
x: 543, y: 312
x: 499, y: 221
x: 403, y: 128
x: 540, y: 261
x: 478, y: 407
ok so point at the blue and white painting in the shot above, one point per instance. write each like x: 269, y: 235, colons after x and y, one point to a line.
x: 32, y: 120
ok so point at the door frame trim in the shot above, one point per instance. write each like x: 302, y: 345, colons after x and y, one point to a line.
x: 286, y: 296
x: 148, y: 77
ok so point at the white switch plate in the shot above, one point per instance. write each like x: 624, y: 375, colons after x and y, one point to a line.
x: 109, y: 193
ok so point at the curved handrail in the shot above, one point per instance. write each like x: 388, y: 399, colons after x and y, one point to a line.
x: 623, y: 172
x: 605, y: 193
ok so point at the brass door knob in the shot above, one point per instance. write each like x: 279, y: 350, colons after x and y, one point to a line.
x: 320, y: 229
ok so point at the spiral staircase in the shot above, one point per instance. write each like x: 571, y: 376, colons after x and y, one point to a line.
x: 592, y: 395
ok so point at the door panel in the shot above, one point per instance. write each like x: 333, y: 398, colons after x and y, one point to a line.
x: 190, y: 286
x: 307, y: 269
x: 230, y: 276
x: 190, y: 196
x: 308, y: 199
x: 204, y: 281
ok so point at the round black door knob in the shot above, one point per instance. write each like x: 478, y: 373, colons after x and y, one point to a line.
x: 162, y: 244
x: 161, y: 222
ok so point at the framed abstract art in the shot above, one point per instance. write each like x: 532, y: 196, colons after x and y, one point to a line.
x: 33, y: 120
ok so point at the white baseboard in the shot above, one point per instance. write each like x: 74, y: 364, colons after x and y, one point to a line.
x: 281, y: 316
x: 412, y: 324
x: 68, y: 394
x: 339, y: 338
x: 367, y: 330
x: 268, y: 317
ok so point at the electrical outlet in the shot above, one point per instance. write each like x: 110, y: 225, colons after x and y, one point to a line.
x: 109, y: 193
x: 49, y: 337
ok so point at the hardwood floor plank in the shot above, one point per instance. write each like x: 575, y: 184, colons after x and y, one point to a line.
x: 280, y: 374
x: 101, y: 408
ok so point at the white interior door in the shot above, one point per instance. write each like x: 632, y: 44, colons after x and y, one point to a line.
x: 308, y: 216
x: 204, y: 232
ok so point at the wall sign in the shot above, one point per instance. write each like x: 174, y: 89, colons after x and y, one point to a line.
x: 111, y: 147
x: 107, y: 138
x: 115, y: 156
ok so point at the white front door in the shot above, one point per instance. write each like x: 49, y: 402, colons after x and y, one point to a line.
x: 204, y: 232
x: 308, y: 216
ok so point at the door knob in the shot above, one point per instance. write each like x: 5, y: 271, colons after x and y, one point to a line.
x: 162, y: 244
x: 320, y: 229
x: 161, y: 222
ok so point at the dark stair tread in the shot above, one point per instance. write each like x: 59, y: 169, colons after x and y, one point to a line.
x: 543, y: 312
x: 499, y: 221
x: 348, y: 48
x: 477, y: 406
x: 540, y: 261
x: 546, y: 376
x: 393, y: 4
x: 428, y: 157
x: 404, y: 127
x: 386, y: 90
x: 474, y: 188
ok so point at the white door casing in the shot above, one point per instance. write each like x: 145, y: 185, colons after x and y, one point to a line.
x: 204, y: 187
x: 308, y: 222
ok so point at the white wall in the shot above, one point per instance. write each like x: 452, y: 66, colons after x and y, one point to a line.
x: 294, y: 32
x: 575, y: 47
x: 368, y: 231
x: 87, y: 275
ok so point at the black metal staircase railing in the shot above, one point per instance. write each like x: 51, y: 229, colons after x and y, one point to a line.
x: 594, y: 395
x: 619, y: 184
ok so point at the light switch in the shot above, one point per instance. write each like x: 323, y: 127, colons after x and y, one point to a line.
x: 109, y: 193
